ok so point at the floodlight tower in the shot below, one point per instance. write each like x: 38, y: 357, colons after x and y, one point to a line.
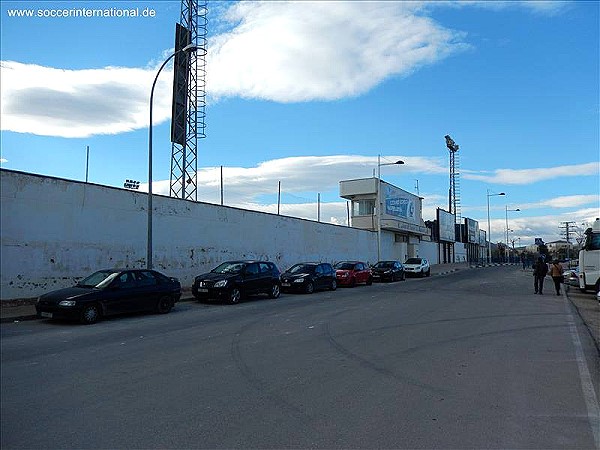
x: 189, y: 99
x: 454, y: 191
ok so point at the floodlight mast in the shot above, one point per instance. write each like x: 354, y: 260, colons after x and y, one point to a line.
x: 454, y: 189
x: 189, y: 101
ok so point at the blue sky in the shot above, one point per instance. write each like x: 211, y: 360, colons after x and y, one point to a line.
x: 309, y: 93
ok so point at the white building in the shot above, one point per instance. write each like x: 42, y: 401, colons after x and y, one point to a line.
x: 399, y: 214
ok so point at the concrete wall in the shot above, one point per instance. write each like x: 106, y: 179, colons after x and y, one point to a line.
x: 54, y: 231
x: 430, y: 251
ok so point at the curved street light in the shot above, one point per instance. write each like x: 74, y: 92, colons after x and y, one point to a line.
x: 379, y: 203
x: 489, y: 237
x: 507, y: 210
x: 187, y: 49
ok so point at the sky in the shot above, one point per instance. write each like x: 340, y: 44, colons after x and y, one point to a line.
x: 310, y: 93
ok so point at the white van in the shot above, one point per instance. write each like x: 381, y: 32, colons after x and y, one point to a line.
x: 589, y: 260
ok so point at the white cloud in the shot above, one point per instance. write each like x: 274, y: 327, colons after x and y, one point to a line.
x: 529, y: 176
x: 527, y: 228
x: 566, y: 201
x: 299, y: 174
x: 243, y: 188
x: 561, y: 202
x: 323, y: 51
x: 80, y: 103
x: 542, y: 7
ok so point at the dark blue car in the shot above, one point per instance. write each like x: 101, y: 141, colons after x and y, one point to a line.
x: 109, y: 292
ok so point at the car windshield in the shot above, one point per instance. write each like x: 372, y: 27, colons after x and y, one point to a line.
x: 228, y: 267
x: 301, y: 268
x: 384, y: 264
x: 97, y: 279
x: 344, y: 266
x: 413, y: 261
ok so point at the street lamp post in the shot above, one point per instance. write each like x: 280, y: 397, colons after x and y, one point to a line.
x: 379, y: 203
x: 187, y: 48
x: 507, y: 252
x: 489, y: 252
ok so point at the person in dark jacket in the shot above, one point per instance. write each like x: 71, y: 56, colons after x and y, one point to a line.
x: 540, y: 269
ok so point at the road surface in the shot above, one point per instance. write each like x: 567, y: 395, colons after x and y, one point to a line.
x: 467, y: 360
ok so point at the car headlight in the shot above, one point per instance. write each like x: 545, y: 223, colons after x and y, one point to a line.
x: 67, y: 303
x: 221, y: 283
x: 299, y: 280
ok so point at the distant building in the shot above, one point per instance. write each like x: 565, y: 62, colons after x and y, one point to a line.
x: 558, y: 246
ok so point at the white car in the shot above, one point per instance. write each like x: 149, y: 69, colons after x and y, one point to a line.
x: 417, y: 267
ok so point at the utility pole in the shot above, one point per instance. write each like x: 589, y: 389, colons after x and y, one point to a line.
x: 567, y: 229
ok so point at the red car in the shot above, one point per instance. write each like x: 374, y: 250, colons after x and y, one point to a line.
x: 350, y: 273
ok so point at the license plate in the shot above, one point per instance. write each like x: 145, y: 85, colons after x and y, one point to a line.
x: 286, y: 284
x: 202, y: 290
x: 46, y: 314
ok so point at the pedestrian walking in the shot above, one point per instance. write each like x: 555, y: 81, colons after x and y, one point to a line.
x: 523, y: 261
x: 540, y: 269
x: 556, y: 272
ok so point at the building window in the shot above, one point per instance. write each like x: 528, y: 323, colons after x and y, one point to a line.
x: 400, y: 238
x: 364, y: 207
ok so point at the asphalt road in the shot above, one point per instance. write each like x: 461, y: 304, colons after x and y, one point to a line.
x: 468, y: 360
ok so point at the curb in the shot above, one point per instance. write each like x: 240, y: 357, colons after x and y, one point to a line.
x: 26, y: 317
x: 18, y: 318
x: 595, y: 340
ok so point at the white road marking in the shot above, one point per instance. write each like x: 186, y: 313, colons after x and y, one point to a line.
x: 587, y: 387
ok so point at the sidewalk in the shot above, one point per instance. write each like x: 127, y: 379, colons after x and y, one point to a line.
x: 19, y: 310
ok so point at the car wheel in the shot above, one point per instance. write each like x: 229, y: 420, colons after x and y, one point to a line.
x: 234, y: 296
x: 309, y: 288
x: 369, y: 281
x: 421, y: 274
x: 275, y: 291
x: 353, y: 282
x: 333, y: 286
x: 403, y: 277
x: 90, y: 314
x: 428, y: 273
x: 164, y: 305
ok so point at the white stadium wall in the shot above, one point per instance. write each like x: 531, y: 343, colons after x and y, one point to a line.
x: 54, y: 231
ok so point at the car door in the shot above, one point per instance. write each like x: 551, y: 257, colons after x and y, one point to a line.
x: 122, y: 294
x: 265, y: 277
x: 319, y: 277
x: 251, y: 279
x: 149, y: 291
x: 361, y: 273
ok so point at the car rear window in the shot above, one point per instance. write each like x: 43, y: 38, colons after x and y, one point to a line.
x: 302, y: 268
x: 413, y: 261
x: 384, y: 264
